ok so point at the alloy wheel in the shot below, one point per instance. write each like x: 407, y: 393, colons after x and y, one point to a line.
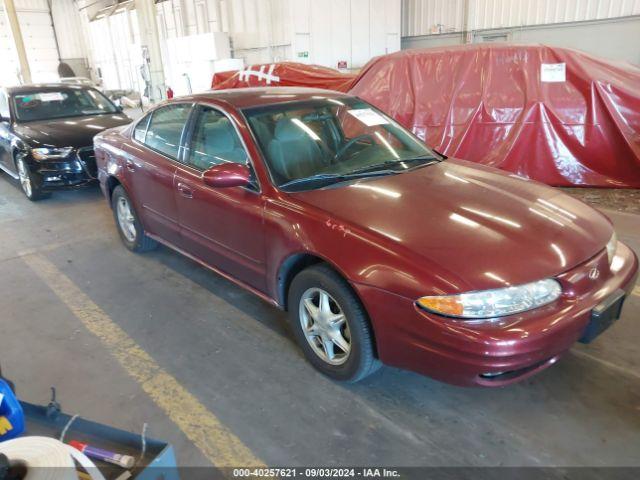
x: 325, y: 326
x: 126, y: 220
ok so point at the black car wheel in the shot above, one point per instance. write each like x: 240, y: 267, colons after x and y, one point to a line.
x: 28, y: 182
x: 331, y: 325
x: 129, y: 227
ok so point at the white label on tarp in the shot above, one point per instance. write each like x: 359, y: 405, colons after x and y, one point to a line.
x: 553, y: 72
x: 1, y: 398
x: 369, y: 117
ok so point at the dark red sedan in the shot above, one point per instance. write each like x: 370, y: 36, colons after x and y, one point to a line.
x: 382, y: 250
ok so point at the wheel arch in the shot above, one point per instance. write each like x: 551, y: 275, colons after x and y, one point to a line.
x: 289, y: 268
x: 296, y: 263
x: 111, y: 184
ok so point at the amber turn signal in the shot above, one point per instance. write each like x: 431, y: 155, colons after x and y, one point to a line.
x: 451, y: 305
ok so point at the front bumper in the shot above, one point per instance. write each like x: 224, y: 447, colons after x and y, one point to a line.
x: 77, y: 170
x: 506, y: 350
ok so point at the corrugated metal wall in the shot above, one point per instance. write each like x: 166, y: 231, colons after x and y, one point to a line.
x: 424, y: 17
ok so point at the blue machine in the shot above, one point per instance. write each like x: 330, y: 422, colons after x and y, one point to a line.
x: 11, y: 414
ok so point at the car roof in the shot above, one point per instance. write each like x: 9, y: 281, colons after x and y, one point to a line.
x: 258, y: 96
x: 44, y: 87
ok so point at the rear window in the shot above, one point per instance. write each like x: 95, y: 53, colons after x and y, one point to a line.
x: 165, y: 129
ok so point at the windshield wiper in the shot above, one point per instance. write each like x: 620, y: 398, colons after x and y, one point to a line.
x: 338, y: 177
x: 390, y: 163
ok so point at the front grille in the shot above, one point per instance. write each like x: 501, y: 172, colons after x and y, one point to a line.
x: 87, y: 159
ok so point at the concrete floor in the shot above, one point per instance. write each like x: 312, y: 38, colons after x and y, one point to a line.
x: 235, y: 354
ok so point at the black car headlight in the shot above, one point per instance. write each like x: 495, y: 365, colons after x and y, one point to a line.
x: 51, y: 153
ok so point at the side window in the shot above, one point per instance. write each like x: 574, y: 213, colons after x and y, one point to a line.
x: 4, y: 106
x: 165, y: 129
x: 141, y: 129
x: 215, y: 141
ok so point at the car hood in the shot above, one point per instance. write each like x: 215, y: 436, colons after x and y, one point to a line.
x: 487, y: 228
x: 67, y: 132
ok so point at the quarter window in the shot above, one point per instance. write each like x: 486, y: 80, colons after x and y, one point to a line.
x: 215, y: 141
x: 165, y: 129
x: 141, y: 129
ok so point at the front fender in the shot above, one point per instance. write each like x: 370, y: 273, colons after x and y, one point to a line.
x: 359, y: 256
x: 110, y: 166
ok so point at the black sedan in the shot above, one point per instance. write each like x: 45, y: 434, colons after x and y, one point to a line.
x: 46, y: 135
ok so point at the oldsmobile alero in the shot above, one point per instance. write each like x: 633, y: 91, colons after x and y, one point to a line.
x: 381, y: 249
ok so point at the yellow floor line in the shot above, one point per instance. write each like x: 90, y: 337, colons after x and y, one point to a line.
x: 201, y: 426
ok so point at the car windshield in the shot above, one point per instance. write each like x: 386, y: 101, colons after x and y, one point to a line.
x: 72, y: 102
x: 313, y: 143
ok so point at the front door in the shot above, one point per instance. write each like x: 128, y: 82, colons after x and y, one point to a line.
x: 151, y: 168
x: 220, y: 226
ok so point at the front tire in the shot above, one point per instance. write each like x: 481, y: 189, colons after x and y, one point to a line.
x: 129, y: 227
x: 331, y: 325
x: 30, y: 186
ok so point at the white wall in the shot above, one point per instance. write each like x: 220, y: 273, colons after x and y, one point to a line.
x: 190, y: 61
x: 260, y: 29
x: 39, y: 40
x: 114, y: 44
x: 424, y: 17
x: 312, y: 31
x: 66, y: 19
x: 351, y: 31
x: 325, y: 32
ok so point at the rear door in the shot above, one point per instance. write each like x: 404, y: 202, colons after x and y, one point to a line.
x: 221, y: 226
x: 151, y: 168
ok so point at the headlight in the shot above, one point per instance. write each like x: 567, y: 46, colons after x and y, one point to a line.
x: 494, y: 303
x: 51, y: 153
x: 612, y: 246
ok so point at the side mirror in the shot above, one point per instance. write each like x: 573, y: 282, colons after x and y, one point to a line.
x: 227, y: 175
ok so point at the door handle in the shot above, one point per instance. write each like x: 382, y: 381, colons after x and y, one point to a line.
x: 185, y: 191
x: 130, y: 166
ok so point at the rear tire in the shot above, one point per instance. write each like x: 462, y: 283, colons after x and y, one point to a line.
x: 331, y: 326
x: 128, y: 223
x: 28, y: 182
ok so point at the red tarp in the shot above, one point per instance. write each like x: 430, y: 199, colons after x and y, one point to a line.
x: 284, y: 74
x: 489, y: 104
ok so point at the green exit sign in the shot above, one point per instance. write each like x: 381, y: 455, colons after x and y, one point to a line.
x: 303, y: 54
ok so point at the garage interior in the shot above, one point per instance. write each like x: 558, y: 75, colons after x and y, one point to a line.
x: 129, y: 340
